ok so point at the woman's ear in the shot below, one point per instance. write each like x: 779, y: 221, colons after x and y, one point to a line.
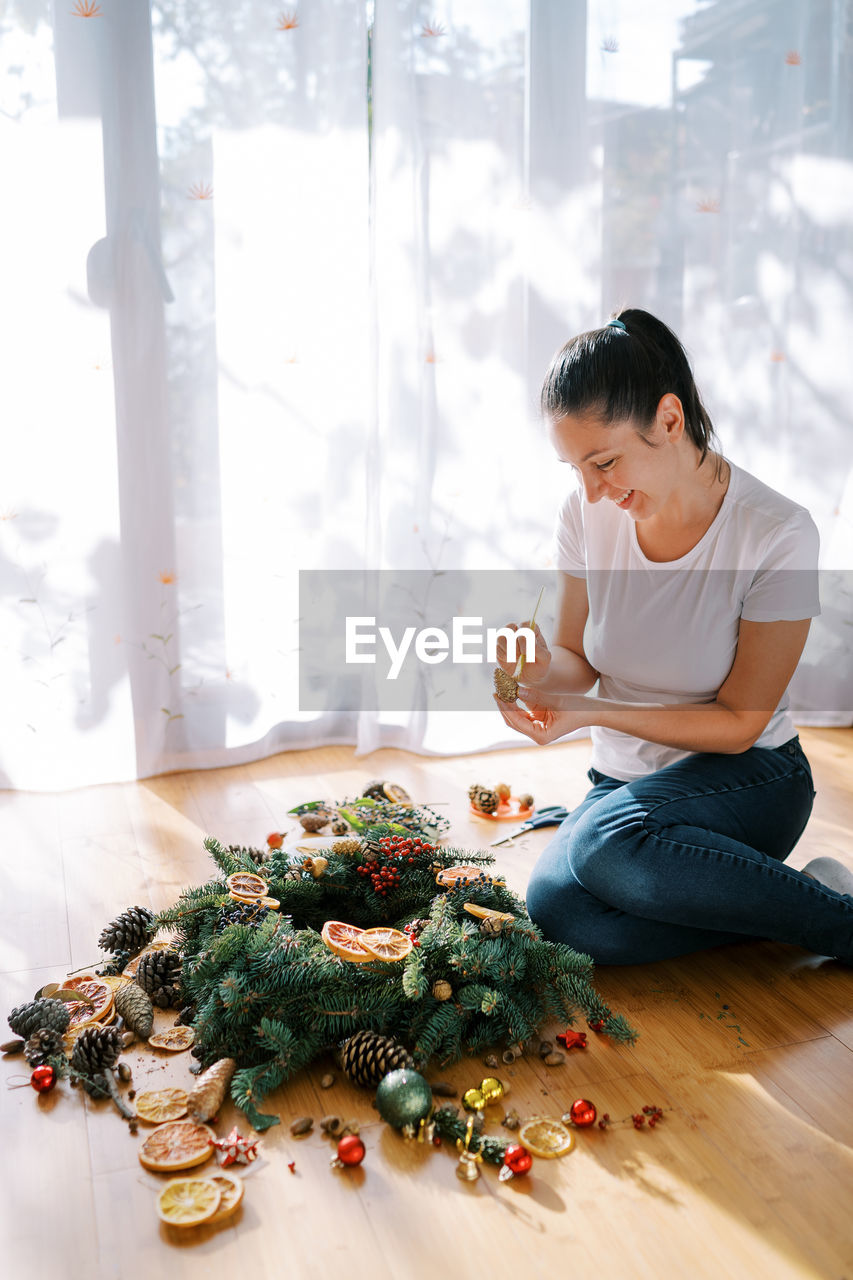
x: 670, y: 416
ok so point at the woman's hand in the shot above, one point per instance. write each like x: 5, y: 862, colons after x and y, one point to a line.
x: 545, y: 723
x: 533, y: 672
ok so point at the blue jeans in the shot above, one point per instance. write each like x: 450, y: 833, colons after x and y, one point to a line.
x: 690, y: 857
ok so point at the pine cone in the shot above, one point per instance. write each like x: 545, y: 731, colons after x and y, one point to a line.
x: 159, y: 974
x: 37, y: 1014
x: 347, y: 846
x: 506, y: 687
x: 42, y: 1045
x: 474, y: 790
x: 315, y: 820
x: 95, y: 1050
x: 209, y: 1090
x: 128, y: 932
x: 134, y: 1005
x: 258, y: 856
x: 485, y: 800
x: 367, y: 1057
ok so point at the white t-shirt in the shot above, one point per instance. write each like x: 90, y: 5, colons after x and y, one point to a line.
x: 667, y: 632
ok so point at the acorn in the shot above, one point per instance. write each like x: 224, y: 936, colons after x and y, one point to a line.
x: 339, y: 827
x: 504, y: 790
x: 526, y: 801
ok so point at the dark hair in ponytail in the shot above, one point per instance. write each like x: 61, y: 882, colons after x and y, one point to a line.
x: 620, y: 373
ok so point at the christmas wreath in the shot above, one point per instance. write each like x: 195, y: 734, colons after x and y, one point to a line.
x: 273, y: 965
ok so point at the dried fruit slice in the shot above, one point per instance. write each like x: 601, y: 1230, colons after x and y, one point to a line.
x: 345, y: 941
x: 246, y: 887
x: 451, y: 876
x: 486, y: 913
x: 158, y: 1105
x: 272, y: 903
x: 178, y: 1145
x: 386, y: 944
x: 395, y: 793
x: 547, y: 1138
x: 175, y: 1039
x: 232, y: 1193
x: 81, y: 1013
x: 113, y: 981
x: 185, y: 1202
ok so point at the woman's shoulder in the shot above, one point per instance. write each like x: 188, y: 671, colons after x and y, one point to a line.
x: 751, y: 500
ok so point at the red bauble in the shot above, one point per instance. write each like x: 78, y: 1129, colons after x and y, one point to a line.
x: 43, y: 1079
x: 518, y: 1159
x: 351, y: 1149
x: 583, y: 1113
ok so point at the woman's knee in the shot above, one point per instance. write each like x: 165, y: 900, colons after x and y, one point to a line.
x: 599, y: 850
x: 548, y: 889
x: 608, y: 856
x: 573, y: 918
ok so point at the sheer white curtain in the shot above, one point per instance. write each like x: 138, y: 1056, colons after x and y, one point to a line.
x: 254, y: 327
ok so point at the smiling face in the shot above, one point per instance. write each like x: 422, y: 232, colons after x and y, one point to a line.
x: 614, y: 462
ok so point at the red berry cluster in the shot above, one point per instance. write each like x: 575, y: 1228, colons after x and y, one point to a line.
x: 413, y: 930
x: 394, y: 852
x: 654, y: 1114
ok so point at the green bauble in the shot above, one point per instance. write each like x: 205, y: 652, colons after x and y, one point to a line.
x: 403, y: 1097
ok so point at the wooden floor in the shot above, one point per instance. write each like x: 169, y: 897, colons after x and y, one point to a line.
x: 748, y: 1176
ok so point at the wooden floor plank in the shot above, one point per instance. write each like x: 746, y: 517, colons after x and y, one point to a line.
x: 802, y: 1169
x: 745, y: 1177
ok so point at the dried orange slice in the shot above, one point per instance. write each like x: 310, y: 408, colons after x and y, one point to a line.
x: 185, y: 1202
x: 174, y: 1146
x: 175, y: 1039
x: 81, y: 1013
x: 246, y: 887
x: 345, y: 941
x: 232, y: 1193
x: 486, y: 913
x: 451, y: 876
x: 272, y: 903
x: 386, y: 944
x: 158, y: 1105
x: 113, y: 981
x: 547, y: 1138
